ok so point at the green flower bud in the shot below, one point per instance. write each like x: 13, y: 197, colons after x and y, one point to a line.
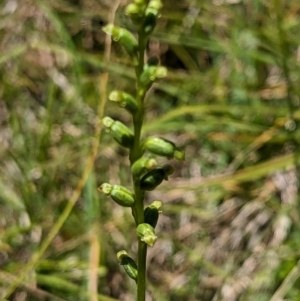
x: 135, y: 11
x: 163, y: 147
x: 149, y: 23
x: 154, y: 177
x: 142, y: 165
x: 155, y: 5
x: 128, y: 264
x: 152, y: 212
x: 120, y: 132
x: 152, y: 73
x: 146, y: 233
x: 160, y: 146
x: 124, y: 100
x: 124, y: 37
x: 119, y: 194
x: 151, y: 15
x: 179, y: 155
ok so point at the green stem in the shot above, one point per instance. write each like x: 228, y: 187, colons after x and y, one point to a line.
x: 135, y: 154
x: 141, y: 283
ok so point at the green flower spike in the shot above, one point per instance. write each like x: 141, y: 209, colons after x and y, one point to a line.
x: 128, y: 264
x: 152, y: 212
x: 155, y: 177
x: 145, y: 174
x: 120, y: 132
x: 163, y: 147
x: 119, y: 194
x: 143, y: 165
x: 124, y: 100
x: 124, y: 37
x: 146, y: 233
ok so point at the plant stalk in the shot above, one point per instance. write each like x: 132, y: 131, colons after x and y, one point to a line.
x: 135, y: 154
x: 141, y: 283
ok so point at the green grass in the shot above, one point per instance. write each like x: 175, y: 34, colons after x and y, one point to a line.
x: 230, y: 222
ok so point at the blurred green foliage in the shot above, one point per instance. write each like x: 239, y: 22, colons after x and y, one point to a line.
x: 230, y: 223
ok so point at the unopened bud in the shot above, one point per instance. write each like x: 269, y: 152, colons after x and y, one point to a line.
x: 128, y: 264
x: 142, y: 165
x: 135, y: 12
x: 124, y: 100
x: 146, y: 233
x: 124, y: 37
x: 151, y: 213
x: 151, y: 14
x: 119, y: 194
x: 154, y: 177
x: 163, y: 147
x: 120, y: 132
x: 151, y: 74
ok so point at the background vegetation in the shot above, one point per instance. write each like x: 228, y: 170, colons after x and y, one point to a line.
x: 231, y: 222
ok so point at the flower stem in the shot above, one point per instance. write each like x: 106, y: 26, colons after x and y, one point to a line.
x: 135, y: 154
x: 141, y: 283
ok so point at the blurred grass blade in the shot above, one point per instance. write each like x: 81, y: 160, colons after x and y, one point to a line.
x: 12, y: 53
x: 68, y: 287
x: 10, y: 197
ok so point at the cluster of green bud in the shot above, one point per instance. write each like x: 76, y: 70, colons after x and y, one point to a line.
x: 120, y: 132
x: 119, y: 194
x: 144, y: 15
x: 163, y: 147
x: 155, y: 177
x: 151, y: 213
x: 124, y: 37
x: 146, y: 234
x: 128, y: 264
x: 124, y: 100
